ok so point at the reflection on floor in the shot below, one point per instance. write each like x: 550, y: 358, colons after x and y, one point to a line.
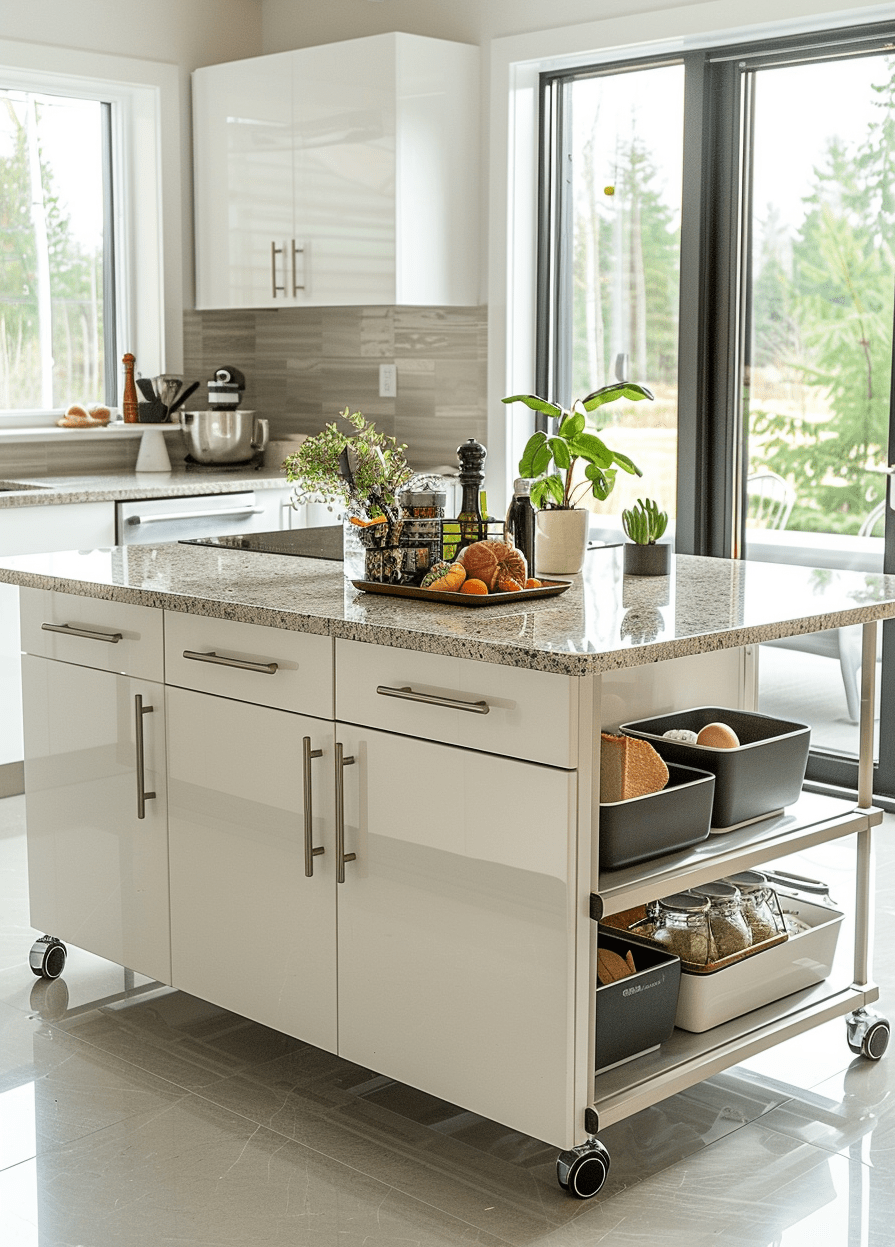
x: 156, y: 1120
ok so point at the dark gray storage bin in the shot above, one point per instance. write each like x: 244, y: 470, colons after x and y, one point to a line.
x: 661, y: 822
x: 636, y: 1014
x: 761, y: 777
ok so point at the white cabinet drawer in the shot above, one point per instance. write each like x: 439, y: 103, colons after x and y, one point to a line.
x: 506, y: 710
x: 109, y: 636
x: 248, y: 662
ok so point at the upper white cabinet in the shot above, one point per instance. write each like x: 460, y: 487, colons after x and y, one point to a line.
x: 336, y: 175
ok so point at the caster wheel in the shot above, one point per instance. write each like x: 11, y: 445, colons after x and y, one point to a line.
x: 47, y: 958
x: 583, y: 1170
x: 867, y: 1035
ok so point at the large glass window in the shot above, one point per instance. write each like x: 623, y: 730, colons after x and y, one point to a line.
x: 56, y: 322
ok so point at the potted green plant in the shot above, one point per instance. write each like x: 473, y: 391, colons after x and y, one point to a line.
x: 550, y: 459
x: 644, y: 524
x: 361, y: 470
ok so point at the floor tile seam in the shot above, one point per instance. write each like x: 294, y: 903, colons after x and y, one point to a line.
x: 549, y: 1228
x: 23, y: 1160
x: 114, y: 1056
x: 819, y: 1147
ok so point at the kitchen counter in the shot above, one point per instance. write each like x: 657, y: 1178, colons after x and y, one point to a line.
x: 133, y: 486
x: 604, y: 622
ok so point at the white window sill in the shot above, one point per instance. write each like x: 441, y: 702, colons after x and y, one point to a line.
x: 53, y: 434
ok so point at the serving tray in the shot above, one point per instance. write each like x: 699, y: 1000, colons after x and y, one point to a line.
x: 548, y: 589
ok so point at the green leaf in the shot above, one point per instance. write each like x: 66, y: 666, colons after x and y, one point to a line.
x: 589, y: 446
x: 572, y: 425
x: 561, y: 456
x: 548, y: 490
x: 536, y: 442
x: 609, y: 394
x: 535, y: 403
x: 542, y: 460
x: 626, y: 464
x: 602, y: 482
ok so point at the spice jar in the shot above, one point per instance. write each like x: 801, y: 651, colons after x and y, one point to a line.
x: 422, y: 510
x: 682, y: 926
x: 730, y: 932
x: 759, y: 903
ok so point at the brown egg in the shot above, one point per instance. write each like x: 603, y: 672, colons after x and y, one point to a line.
x: 718, y: 736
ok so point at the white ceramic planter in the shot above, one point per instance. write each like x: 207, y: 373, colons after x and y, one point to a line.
x: 561, y: 542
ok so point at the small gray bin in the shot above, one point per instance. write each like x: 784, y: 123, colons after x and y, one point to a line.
x: 661, y: 822
x: 761, y: 777
x: 636, y: 1014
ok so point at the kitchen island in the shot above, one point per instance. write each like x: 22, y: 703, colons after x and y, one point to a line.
x: 373, y: 823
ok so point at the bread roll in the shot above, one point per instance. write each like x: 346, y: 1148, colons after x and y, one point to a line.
x: 610, y: 966
x: 718, y: 736
x: 685, y: 735
x: 77, y: 412
x: 629, y: 767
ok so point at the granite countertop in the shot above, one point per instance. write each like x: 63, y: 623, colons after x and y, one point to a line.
x: 603, y: 622
x: 126, y: 486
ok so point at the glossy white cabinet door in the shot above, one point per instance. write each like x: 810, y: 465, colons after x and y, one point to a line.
x: 243, y: 159
x: 345, y: 171
x: 98, y: 872
x: 250, y: 930
x: 456, y: 926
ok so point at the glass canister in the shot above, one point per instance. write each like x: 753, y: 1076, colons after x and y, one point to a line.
x: 760, y: 905
x: 682, y: 926
x: 730, y: 932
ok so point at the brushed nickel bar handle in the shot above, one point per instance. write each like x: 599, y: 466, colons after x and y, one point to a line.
x: 70, y: 630
x: 274, y: 252
x: 310, y: 852
x: 474, y: 707
x: 266, y: 668
x: 341, y: 856
x: 214, y: 513
x: 295, y: 286
x: 142, y: 795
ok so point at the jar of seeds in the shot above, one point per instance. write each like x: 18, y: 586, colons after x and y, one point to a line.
x: 682, y: 926
x: 729, y: 930
x: 759, y: 903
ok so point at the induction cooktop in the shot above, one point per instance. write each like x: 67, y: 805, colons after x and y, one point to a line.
x: 304, y: 543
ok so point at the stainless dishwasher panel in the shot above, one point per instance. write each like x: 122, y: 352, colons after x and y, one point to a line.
x: 156, y: 520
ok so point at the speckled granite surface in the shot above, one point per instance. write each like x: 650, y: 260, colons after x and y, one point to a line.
x: 604, y: 621
x: 105, y: 486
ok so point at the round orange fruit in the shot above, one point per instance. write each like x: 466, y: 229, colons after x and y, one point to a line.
x: 531, y: 583
x: 474, y: 586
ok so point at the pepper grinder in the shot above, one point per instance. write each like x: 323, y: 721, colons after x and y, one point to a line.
x: 129, y: 408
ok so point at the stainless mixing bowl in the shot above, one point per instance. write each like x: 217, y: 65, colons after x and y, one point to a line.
x: 223, y: 436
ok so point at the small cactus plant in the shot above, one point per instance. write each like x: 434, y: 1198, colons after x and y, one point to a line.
x: 645, y: 523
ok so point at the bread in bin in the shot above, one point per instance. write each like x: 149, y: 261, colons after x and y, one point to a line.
x: 629, y: 767
x: 718, y: 736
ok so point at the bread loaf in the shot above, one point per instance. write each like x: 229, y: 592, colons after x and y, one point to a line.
x: 610, y: 966
x: 629, y: 767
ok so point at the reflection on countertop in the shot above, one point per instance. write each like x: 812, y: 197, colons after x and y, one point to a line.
x: 605, y: 621
x: 29, y: 491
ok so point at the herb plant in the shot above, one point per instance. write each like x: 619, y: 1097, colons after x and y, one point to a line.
x: 645, y: 523
x: 571, y: 442
x: 363, y: 469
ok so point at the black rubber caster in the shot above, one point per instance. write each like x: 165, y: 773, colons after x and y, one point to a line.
x: 47, y: 958
x: 867, y: 1034
x: 583, y: 1170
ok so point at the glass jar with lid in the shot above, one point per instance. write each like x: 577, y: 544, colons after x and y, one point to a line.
x: 729, y: 930
x: 682, y: 926
x: 759, y: 903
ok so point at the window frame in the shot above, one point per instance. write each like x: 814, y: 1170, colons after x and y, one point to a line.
x: 146, y: 147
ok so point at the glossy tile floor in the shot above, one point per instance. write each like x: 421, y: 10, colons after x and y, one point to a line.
x: 146, y: 1118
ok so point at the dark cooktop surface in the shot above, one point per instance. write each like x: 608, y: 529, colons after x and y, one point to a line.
x: 305, y: 543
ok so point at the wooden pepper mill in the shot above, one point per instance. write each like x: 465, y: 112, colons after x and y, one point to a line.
x: 129, y: 398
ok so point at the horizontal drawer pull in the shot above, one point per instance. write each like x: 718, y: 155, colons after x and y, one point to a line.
x: 215, y: 513
x: 70, y: 630
x: 266, y: 668
x: 474, y: 707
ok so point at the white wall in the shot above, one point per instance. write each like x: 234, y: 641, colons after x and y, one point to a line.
x: 183, y: 33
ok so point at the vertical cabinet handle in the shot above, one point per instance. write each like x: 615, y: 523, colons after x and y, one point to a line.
x: 341, y: 856
x: 274, y: 252
x: 310, y: 851
x: 142, y: 795
x: 296, y: 251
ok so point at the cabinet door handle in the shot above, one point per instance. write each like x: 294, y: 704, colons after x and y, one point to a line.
x: 70, y: 630
x: 474, y: 707
x: 266, y: 668
x: 274, y: 252
x: 341, y: 856
x: 310, y: 851
x: 142, y: 795
x: 296, y: 251
x: 216, y: 513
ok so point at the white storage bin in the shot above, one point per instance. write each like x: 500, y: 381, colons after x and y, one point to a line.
x: 804, y: 960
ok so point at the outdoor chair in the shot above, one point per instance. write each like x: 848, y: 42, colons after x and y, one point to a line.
x: 769, y: 500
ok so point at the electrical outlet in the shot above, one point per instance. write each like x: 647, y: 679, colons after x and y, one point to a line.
x: 388, y: 380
